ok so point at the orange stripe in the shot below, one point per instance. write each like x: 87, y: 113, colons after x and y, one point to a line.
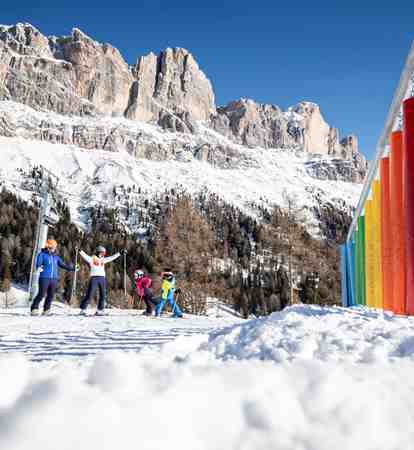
x: 397, y: 222
x: 387, y: 270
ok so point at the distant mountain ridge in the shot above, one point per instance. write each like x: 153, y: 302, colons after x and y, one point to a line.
x: 75, y: 75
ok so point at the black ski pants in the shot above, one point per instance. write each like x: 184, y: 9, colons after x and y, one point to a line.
x: 48, y: 288
x: 149, y: 300
x: 95, y: 283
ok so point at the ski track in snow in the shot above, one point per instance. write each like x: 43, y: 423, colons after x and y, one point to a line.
x: 66, y: 334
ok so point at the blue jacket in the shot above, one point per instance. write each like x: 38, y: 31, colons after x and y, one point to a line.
x: 50, y: 264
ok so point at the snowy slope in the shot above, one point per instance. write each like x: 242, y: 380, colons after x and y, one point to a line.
x: 87, y: 178
x: 66, y: 334
x: 308, y: 378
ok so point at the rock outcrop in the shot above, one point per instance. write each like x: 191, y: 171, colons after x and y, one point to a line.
x: 171, y: 83
x: 301, y: 126
x: 98, y: 73
x: 76, y: 75
x: 338, y: 169
x: 253, y: 124
x: 116, y: 135
x: 30, y: 74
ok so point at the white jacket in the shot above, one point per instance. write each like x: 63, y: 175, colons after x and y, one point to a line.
x: 97, y: 264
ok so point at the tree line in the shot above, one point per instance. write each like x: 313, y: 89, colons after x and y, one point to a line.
x: 215, y: 249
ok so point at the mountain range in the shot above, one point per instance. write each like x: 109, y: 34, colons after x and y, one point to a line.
x: 113, y: 124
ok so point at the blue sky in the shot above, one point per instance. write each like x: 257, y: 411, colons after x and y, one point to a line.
x: 345, y: 55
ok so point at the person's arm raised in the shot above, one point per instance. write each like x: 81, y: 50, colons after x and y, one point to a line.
x: 85, y: 257
x: 111, y: 258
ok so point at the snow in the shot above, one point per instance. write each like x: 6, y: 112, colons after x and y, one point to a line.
x: 308, y: 378
x: 263, y: 182
x: 315, y: 333
x: 87, y: 177
x: 15, y: 297
x: 66, y: 334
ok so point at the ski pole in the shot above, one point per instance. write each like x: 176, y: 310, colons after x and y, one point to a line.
x: 75, y: 276
x: 175, y: 302
x: 125, y: 275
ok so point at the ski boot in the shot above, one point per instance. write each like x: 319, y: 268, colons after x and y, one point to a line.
x: 177, y: 316
x: 100, y: 312
x: 35, y: 312
x: 83, y: 312
x: 47, y: 312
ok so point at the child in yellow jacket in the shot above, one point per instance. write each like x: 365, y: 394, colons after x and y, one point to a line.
x: 167, y: 295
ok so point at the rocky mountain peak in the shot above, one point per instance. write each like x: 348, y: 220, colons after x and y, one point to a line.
x: 251, y: 123
x: 25, y: 39
x: 302, y: 127
x: 79, y: 75
x: 170, y: 89
x: 76, y: 75
x: 306, y: 108
x: 78, y: 35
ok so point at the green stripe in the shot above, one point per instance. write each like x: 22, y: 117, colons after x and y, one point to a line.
x: 356, y: 263
x: 361, y: 285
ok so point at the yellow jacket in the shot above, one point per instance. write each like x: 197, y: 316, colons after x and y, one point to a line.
x: 167, y: 289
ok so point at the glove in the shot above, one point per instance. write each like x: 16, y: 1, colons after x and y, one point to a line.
x: 178, y: 291
x: 41, y: 269
x: 77, y: 268
x: 123, y: 251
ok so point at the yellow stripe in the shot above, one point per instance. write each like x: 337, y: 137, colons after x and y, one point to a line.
x: 369, y: 255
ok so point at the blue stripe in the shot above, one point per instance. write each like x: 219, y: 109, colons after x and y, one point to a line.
x: 351, y: 271
x: 344, y: 276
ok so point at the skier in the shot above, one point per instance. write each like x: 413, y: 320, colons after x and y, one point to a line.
x: 167, y: 295
x: 49, y: 263
x: 97, y: 278
x: 142, y: 286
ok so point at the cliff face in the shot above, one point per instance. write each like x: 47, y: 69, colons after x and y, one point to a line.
x: 30, y: 74
x: 172, y: 82
x: 75, y: 75
x: 302, y: 126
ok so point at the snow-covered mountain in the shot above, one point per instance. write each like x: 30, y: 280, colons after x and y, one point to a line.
x: 75, y: 107
x: 246, y: 178
x: 77, y: 75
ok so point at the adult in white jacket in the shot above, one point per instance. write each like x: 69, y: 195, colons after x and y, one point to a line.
x: 98, y: 279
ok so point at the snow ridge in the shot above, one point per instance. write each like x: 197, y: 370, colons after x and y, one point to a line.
x: 245, y: 177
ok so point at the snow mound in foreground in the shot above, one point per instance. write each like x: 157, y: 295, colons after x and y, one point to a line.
x: 123, y: 401
x: 308, y: 378
x: 313, y: 332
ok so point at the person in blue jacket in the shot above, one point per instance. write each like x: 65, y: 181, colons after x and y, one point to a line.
x: 49, y: 263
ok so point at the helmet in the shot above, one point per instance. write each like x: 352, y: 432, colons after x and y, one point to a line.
x: 168, y: 275
x: 51, y: 244
x: 100, y: 249
x: 138, y: 274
